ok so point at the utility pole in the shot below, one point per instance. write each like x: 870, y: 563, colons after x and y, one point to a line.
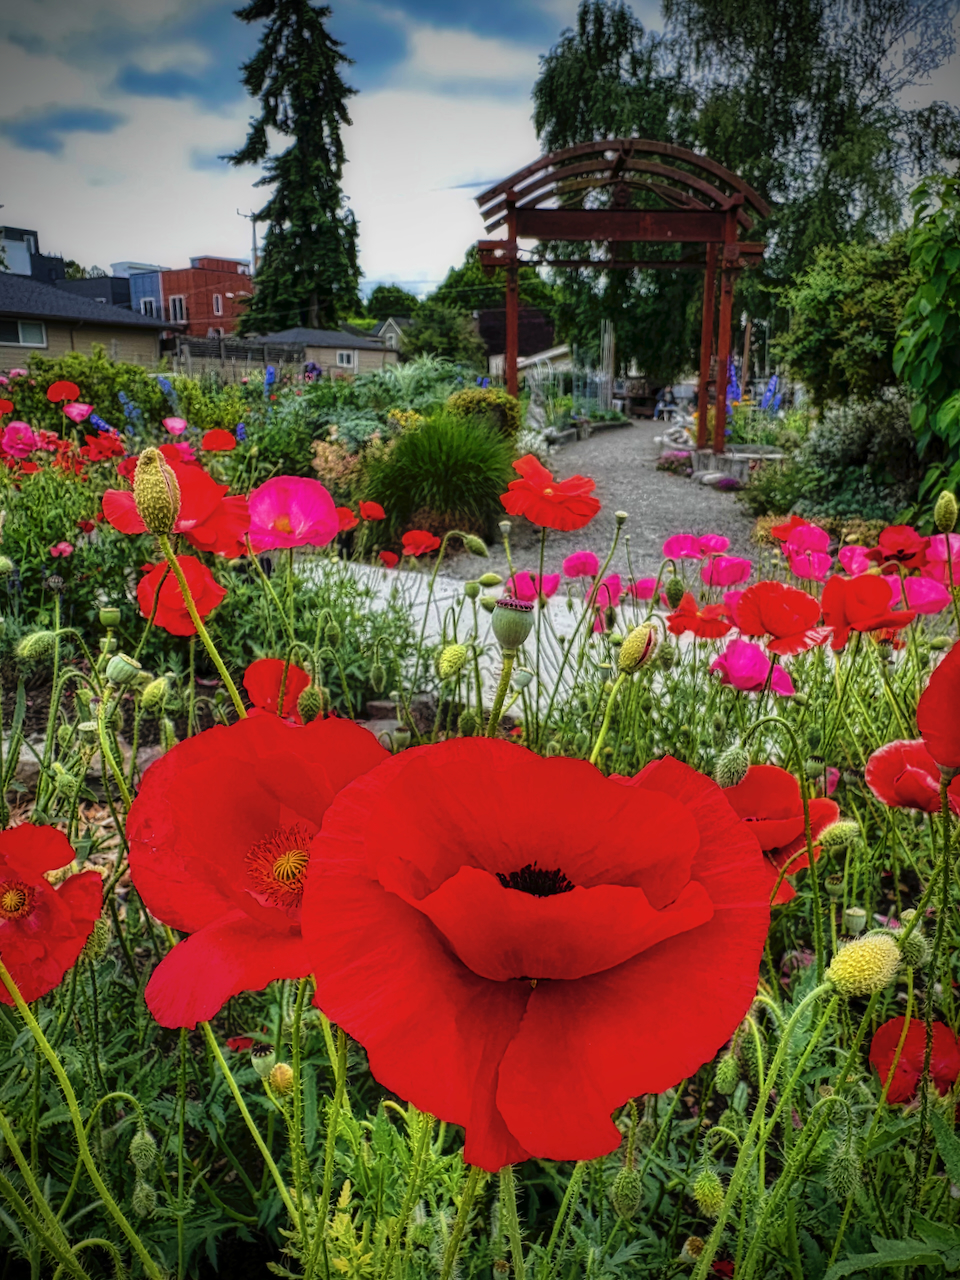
x: 253, y: 231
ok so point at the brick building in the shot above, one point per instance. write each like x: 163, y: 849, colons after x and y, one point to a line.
x: 206, y: 298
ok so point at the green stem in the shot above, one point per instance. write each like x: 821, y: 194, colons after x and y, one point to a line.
x: 333, y: 1123
x: 508, y: 1210
x: 268, y: 587
x: 106, y: 754
x: 608, y: 712
x: 413, y: 1189
x: 509, y: 657
x: 460, y: 1224
x: 566, y: 1207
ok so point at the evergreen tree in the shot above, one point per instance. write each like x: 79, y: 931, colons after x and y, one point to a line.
x: 390, y: 300
x: 308, y: 271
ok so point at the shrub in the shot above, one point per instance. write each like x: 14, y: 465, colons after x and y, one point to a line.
x: 453, y: 468
x: 676, y: 462
x: 487, y: 404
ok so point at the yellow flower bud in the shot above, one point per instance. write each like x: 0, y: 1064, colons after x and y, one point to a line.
x: 280, y: 1079
x: 156, y: 492
x: 865, y: 966
x: 638, y: 648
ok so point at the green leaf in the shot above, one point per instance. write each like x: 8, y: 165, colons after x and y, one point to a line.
x: 890, y: 1253
x: 948, y: 1144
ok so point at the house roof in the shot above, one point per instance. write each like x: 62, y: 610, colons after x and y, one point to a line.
x: 401, y: 322
x: 26, y: 298
x: 323, y: 338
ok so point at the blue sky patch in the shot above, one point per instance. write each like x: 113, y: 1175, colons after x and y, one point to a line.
x: 43, y: 130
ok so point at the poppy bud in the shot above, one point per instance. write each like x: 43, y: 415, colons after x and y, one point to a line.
x: 627, y: 1192
x: 144, y: 1199
x: 490, y: 580
x: 732, y: 766
x: 280, y: 1079
x: 840, y: 835
x: 476, y: 546
x: 834, y: 885
x: 522, y: 678
x: 451, y: 661
x: 504, y: 526
x: 87, y: 732
x: 941, y: 642
x: 310, y: 703
x: 122, y: 669
x: 65, y: 734
x: 471, y: 590
x: 945, y: 512
x: 512, y: 622
x: 844, y: 1172
x: 674, y: 591
x: 36, y: 646
x: 865, y: 966
x: 156, y: 492
x: 854, y: 920
x: 468, y: 724
x: 263, y: 1058
x: 168, y: 734
x: 667, y: 657
x: 615, y: 639
x: 489, y: 603
x: 814, y: 768
x: 728, y: 1073
x: 6, y: 567
x: 708, y: 1193
x: 638, y: 648
x: 143, y: 1150
x: 400, y: 739
x: 154, y: 696
x: 97, y: 945
x: 64, y: 782
x: 332, y: 634
x: 378, y: 677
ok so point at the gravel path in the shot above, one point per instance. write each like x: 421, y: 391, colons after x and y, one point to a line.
x: 622, y: 461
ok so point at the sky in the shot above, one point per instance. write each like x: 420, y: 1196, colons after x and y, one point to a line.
x: 113, y: 114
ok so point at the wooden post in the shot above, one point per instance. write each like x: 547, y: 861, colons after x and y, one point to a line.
x: 512, y: 303
x: 723, y: 359
x: 706, y: 344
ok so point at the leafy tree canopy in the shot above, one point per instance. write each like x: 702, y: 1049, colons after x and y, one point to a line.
x: 443, y: 330
x: 468, y: 288
x: 390, y: 300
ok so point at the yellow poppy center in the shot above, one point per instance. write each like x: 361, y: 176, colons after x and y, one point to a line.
x: 16, y: 900
x: 277, y: 865
x: 282, y: 523
x: 548, y: 493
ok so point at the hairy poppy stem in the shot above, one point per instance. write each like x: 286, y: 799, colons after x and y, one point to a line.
x: 508, y: 1211
x: 460, y: 1224
x: 607, y: 714
x: 509, y: 658
x: 413, y: 1186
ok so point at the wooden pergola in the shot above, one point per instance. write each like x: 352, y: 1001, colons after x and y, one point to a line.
x: 695, y: 201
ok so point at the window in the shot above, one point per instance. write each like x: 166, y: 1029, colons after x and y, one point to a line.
x: 178, y: 308
x: 345, y: 359
x: 148, y: 306
x: 391, y: 340
x: 22, y: 333
x: 217, y: 305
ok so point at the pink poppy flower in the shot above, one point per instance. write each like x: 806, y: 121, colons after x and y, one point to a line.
x: 18, y: 373
x: 642, y: 589
x: 4, y: 382
x: 176, y: 426
x: 18, y: 439
x: 746, y: 666
x: 854, y: 560
x: 806, y: 537
x: 713, y: 544
x: 731, y: 599
x: 937, y: 554
x: 683, y: 546
x: 77, y: 412
x: 530, y: 586
x: 61, y: 549
x: 582, y: 564
x: 812, y: 566
x: 725, y: 571
x: 608, y: 593
x: 924, y: 595
x: 184, y: 448
x: 290, y: 511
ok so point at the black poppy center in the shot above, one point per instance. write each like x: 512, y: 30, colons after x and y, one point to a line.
x: 538, y: 881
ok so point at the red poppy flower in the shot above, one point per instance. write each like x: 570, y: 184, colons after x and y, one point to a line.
x: 783, y: 531
x: 172, y: 612
x: 372, y: 511
x: 240, y: 1043
x: 218, y: 441
x: 708, y: 623
x: 389, y: 559
x: 417, y: 542
x: 938, y: 711
x: 346, y: 519
x: 552, y: 504
x: 126, y: 468
x: 769, y: 800
x: 860, y: 604
x: 484, y: 956
x: 904, y: 775
x: 6, y: 406
x: 787, y: 615
x: 100, y: 448
x: 944, y: 1057
x: 86, y: 526
x: 42, y: 928
x: 58, y: 391
x: 219, y: 835
x: 262, y: 682
x: 899, y: 544
x: 208, y: 519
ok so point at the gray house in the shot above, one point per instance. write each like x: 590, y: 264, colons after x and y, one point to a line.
x: 335, y: 350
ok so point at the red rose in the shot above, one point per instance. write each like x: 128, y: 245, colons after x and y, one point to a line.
x: 938, y: 711
x: 944, y: 1058
x: 417, y: 542
x: 208, y: 519
x: 58, y: 391
x: 515, y: 965
x: 219, y: 837
x: 218, y: 441
x: 709, y: 623
x: 346, y: 520
x: 552, y: 504
x: 42, y: 928
x: 787, y: 615
x: 860, y: 604
x: 905, y: 776
x: 172, y: 612
x: 262, y: 682
x: 389, y: 559
x: 372, y: 511
x: 769, y: 800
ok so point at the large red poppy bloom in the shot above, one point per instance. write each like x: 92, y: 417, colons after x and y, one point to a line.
x: 208, y: 519
x: 418, y: 542
x: 372, y: 511
x: 709, y: 623
x: 516, y: 966
x: 938, y: 711
x: 42, y: 929
x: 346, y: 519
x: 769, y: 800
x: 172, y: 614
x: 218, y: 440
x: 787, y: 615
x: 59, y: 391
x: 389, y: 559
x: 944, y: 1058
x: 904, y: 775
x: 6, y: 406
x: 262, y: 680
x: 900, y: 544
x: 782, y: 532
x: 219, y: 835
x: 552, y: 504
x: 860, y: 604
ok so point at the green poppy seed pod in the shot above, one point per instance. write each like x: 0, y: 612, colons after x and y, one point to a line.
x: 36, y: 646
x: 471, y: 590
x: 332, y: 635
x: 638, y: 648
x: 615, y: 639
x: 156, y: 492
x: 310, y: 703
x: 844, y: 1172
x: 490, y: 580
x: 6, y: 567
x: 504, y: 526
x: 263, y: 1058
x: 87, y: 732
x: 476, y: 546
x: 280, y: 1079
x: 143, y: 1150
x: 108, y: 644
x: 854, y: 920
x: 109, y: 617
x: 154, y: 696
x: 451, y: 661
x: 728, y: 1073
x: 400, y: 739
x: 814, y: 768
x: 378, y: 677
x: 144, y: 1199
x: 522, y: 678
x: 693, y: 1247
x: 168, y: 734
x: 512, y: 622
x: 627, y: 1192
x: 468, y: 723
x: 621, y: 518
x: 489, y: 603
x: 64, y: 782
x: 840, y: 835
x: 945, y: 512
x: 834, y: 887
x: 65, y: 735
x: 674, y: 591
x: 865, y: 966
x: 941, y: 642
x: 708, y: 1193
x: 732, y: 766
x: 122, y: 669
